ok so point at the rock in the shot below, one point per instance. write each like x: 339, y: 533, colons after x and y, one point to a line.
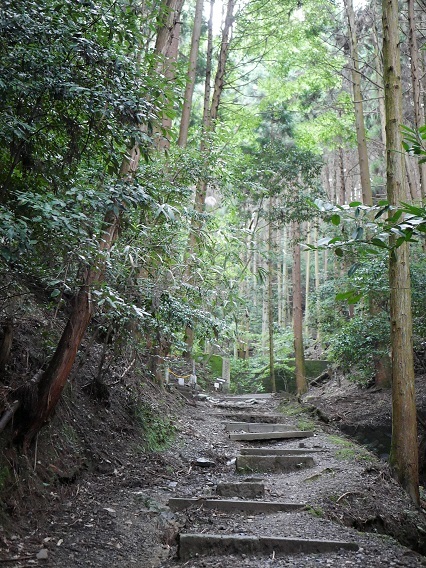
x: 204, y: 462
x: 42, y: 554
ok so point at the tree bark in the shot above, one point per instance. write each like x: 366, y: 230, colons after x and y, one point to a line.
x: 317, y: 283
x: 271, y: 301
x: 404, y: 450
x: 419, y: 115
x: 342, y: 178
x: 299, y: 356
x: 379, y: 79
x: 307, y: 280
x: 31, y: 418
x: 358, y: 106
x: 192, y: 67
x: 223, y: 57
x: 6, y: 345
x: 168, y: 28
x: 209, y: 116
x: 167, y: 46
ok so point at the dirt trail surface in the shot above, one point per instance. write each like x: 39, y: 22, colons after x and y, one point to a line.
x: 120, y: 518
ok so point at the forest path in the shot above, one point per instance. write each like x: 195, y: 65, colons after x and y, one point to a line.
x: 212, y: 537
x: 121, y: 517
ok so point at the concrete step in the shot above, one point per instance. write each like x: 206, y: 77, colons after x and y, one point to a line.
x: 185, y: 391
x: 256, y: 396
x: 242, y: 490
x: 179, y: 503
x: 269, y: 435
x: 278, y: 451
x: 244, y: 416
x: 256, y: 427
x: 272, y: 464
x: 191, y: 545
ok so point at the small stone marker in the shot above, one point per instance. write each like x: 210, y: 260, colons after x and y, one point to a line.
x: 226, y: 373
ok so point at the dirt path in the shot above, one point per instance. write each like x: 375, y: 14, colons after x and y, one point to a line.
x: 121, y: 518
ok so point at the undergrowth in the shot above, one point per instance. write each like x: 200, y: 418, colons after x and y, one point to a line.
x: 158, y: 430
x: 350, y: 451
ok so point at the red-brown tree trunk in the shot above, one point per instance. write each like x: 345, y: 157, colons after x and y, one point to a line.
x: 31, y: 417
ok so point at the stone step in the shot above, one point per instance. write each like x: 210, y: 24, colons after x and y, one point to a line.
x: 192, y: 545
x: 278, y: 451
x: 243, y: 489
x: 272, y: 464
x: 256, y: 427
x: 185, y: 391
x: 244, y: 416
x: 256, y: 396
x: 179, y: 503
x: 246, y: 436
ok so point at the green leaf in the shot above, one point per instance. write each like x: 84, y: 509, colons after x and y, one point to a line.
x: 55, y: 293
x: 355, y: 298
x: 379, y: 243
x: 335, y: 219
x: 380, y: 213
x: 338, y: 252
x: 344, y: 295
x: 358, y: 234
x: 353, y: 269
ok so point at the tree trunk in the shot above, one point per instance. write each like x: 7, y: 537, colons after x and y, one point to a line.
x: 379, y: 79
x: 271, y: 301
x: 49, y: 389
x: 192, y: 67
x: 280, y: 298
x: 342, y: 178
x: 30, y: 418
x: 223, y: 57
x: 317, y: 283
x: 167, y: 46
x: 404, y: 450
x: 299, y: 356
x: 307, y: 280
x: 286, y: 293
x: 209, y: 115
x: 6, y: 345
x: 264, y: 312
x: 358, y: 105
x: 419, y: 115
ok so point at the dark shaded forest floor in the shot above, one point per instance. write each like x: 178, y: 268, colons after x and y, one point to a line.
x: 92, y: 495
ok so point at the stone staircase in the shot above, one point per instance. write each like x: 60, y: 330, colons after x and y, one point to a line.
x: 247, y: 496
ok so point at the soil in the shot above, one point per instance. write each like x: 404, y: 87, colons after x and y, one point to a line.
x: 109, y: 507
